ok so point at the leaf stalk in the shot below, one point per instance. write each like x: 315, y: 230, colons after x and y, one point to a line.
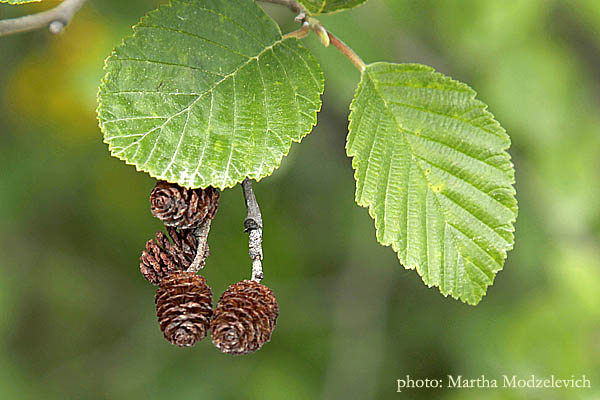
x: 348, y: 52
x: 315, y: 25
x: 300, y: 33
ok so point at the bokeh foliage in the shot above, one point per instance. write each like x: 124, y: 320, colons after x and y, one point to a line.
x: 78, y: 320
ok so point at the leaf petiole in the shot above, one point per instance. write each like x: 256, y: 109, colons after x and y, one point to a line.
x: 325, y: 36
x: 347, y: 51
x: 300, y: 33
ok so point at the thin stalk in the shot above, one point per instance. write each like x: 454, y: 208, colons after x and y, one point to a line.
x: 300, y: 33
x: 254, y: 226
x: 201, y: 234
x: 347, y: 51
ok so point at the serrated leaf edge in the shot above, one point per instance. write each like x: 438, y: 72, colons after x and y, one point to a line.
x: 258, y: 178
x: 371, y: 207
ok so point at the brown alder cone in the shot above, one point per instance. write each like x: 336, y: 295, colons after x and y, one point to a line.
x: 183, y: 208
x: 184, y: 308
x: 163, y: 256
x: 244, y: 318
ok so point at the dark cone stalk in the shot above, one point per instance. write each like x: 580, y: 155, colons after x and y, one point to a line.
x: 244, y: 318
x: 184, y: 308
x: 183, y: 208
x: 163, y: 256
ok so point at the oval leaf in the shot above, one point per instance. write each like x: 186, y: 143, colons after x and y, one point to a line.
x: 316, y: 7
x: 206, y: 93
x: 431, y: 165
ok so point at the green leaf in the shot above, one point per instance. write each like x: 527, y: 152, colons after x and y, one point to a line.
x: 206, y: 93
x: 431, y: 165
x: 19, y: 1
x: 317, y: 7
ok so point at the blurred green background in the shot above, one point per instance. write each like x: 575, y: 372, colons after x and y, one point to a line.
x: 77, y: 320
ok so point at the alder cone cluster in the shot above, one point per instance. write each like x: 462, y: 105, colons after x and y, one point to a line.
x: 163, y: 256
x: 244, y: 318
x: 183, y: 208
x: 184, y: 308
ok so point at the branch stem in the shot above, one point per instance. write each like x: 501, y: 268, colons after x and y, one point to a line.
x: 56, y: 19
x: 325, y: 36
x: 253, y: 224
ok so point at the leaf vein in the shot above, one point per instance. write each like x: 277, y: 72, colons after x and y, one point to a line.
x: 463, y: 180
x: 430, y: 139
x: 186, y: 33
x: 210, y: 90
x: 456, y: 118
x: 169, y: 64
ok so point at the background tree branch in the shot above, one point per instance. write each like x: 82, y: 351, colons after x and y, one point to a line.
x: 56, y: 19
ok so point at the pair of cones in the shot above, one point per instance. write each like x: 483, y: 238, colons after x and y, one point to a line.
x: 246, y: 313
x: 242, y: 322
